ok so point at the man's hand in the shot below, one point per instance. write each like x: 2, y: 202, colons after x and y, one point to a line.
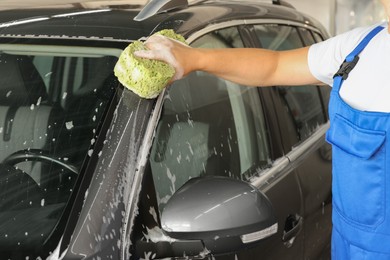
x: 169, y: 51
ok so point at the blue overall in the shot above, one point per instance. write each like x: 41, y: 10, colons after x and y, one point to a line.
x: 361, y: 173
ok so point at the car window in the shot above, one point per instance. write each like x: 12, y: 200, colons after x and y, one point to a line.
x: 52, y: 100
x: 278, y: 37
x: 209, y: 126
x: 307, y: 37
x: 318, y: 37
x: 303, y: 104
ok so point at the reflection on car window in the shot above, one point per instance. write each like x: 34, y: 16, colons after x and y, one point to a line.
x: 305, y: 108
x: 307, y: 36
x: 317, y: 37
x: 278, y: 37
x: 209, y: 126
x: 51, y: 102
x: 303, y: 103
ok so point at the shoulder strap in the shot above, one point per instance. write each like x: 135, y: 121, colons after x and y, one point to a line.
x: 352, y: 59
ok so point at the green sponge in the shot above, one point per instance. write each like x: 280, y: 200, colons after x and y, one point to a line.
x: 145, y: 77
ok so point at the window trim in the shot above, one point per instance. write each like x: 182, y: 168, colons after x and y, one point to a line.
x: 59, y: 50
x: 214, y: 27
x: 282, y: 166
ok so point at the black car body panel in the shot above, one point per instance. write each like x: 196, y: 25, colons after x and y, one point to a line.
x: 113, y: 24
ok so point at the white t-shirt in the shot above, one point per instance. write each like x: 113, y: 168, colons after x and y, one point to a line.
x: 368, y: 85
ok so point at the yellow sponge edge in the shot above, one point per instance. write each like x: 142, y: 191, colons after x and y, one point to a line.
x: 145, y: 77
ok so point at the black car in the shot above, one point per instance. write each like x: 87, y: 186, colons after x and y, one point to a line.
x: 208, y: 170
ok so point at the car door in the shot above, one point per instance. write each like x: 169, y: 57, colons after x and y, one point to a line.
x: 303, y: 117
x: 213, y: 127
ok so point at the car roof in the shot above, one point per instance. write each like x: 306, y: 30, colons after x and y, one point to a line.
x: 115, y: 22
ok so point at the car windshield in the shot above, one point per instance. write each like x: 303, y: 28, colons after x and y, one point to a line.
x: 52, y: 101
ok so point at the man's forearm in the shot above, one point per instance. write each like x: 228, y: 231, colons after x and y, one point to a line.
x: 255, y: 67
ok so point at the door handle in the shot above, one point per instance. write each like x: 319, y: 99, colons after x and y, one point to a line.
x: 292, y: 227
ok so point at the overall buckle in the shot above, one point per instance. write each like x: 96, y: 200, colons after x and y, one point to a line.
x: 346, y: 68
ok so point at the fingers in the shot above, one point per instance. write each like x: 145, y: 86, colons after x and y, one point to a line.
x: 159, y: 39
x: 145, y: 54
x: 158, y: 42
x: 157, y: 46
x: 162, y: 48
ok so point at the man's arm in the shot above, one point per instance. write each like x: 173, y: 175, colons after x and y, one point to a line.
x: 246, y: 66
x: 257, y: 67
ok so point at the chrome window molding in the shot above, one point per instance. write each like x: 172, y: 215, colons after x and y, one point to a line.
x: 218, y: 26
x: 283, y: 165
x: 64, y: 37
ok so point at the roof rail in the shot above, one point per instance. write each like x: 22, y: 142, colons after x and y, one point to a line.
x: 282, y: 3
x: 159, y: 6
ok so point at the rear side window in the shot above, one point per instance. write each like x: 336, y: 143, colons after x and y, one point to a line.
x: 209, y: 126
x: 303, y: 104
x: 307, y: 36
x: 278, y: 37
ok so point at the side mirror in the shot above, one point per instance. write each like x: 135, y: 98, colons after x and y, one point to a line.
x: 225, y: 214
